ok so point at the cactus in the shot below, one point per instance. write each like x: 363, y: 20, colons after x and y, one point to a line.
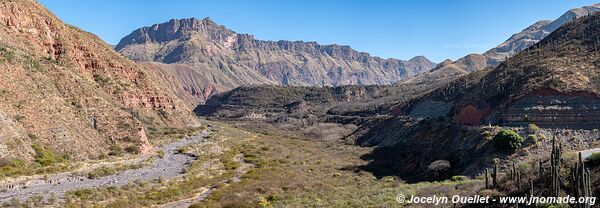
x: 495, y: 176
x: 487, y: 185
x: 512, y: 171
x: 541, y: 164
x: 531, y: 188
x: 518, y: 176
x: 580, y: 182
x: 555, y: 161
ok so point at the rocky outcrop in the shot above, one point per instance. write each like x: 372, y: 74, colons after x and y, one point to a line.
x: 553, y: 109
x: 223, y: 59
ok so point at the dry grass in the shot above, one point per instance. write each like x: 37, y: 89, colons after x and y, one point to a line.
x: 280, y: 172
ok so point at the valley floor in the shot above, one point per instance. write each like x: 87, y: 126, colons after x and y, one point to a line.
x: 239, y: 168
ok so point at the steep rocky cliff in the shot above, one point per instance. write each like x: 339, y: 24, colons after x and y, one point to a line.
x: 226, y: 59
x: 66, y: 90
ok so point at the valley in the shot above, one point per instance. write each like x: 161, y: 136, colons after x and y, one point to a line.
x: 167, y: 165
x: 189, y: 113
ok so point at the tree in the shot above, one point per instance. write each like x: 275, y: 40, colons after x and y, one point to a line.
x: 508, y: 140
x: 440, y: 168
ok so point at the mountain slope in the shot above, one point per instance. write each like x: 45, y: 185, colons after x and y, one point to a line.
x: 227, y: 59
x: 516, y: 43
x: 66, y: 90
x: 553, y: 84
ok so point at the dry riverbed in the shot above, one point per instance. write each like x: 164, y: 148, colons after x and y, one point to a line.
x: 169, y: 165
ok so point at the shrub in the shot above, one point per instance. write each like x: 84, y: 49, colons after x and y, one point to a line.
x: 115, y: 150
x: 533, y: 128
x: 133, y: 149
x: 44, y: 157
x: 101, y: 171
x: 102, y: 80
x: 460, y: 178
x: 594, y: 159
x: 533, y: 138
x: 439, y: 165
x: 508, y: 140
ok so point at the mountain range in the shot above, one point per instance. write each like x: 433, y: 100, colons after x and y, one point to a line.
x: 210, y: 58
x: 516, y: 43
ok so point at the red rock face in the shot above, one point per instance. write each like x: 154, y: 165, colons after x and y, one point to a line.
x: 471, y: 115
x: 145, y: 147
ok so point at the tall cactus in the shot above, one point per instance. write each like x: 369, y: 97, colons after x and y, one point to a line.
x: 513, y: 171
x: 518, y: 176
x: 531, y: 188
x: 495, y: 176
x: 487, y: 184
x: 555, y: 161
x: 541, y: 166
x: 581, y: 182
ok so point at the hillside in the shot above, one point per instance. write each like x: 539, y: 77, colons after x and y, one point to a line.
x: 553, y: 84
x: 227, y: 59
x: 293, y: 104
x: 67, y: 91
x: 516, y: 43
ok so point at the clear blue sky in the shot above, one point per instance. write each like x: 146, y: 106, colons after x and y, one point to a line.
x: 438, y: 29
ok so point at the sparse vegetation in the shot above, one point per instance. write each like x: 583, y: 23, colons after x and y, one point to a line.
x: 46, y: 157
x: 132, y: 149
x: 264, y: 171
x: 533, y: 129
x: 460, y: 178
x: 33, y: 64
x: 101, y: 80
x: 533, y: 139
x: 115, y: 150
x: 111, y: 170
x: 19, y: 118
x: 6, y: 54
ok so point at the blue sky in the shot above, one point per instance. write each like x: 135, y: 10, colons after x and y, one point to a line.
x: 437, y: 29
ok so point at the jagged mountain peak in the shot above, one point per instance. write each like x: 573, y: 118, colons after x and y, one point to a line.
x: 176, y: 29
x: 419, y: 58
x: 571, y: 15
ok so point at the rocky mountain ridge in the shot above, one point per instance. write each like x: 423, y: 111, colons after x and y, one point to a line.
x: 227, y: 59
x: 516, y: 43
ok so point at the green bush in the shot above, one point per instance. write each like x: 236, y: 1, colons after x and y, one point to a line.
x: 508, y: 140
x: 533, y: 128
x: 594, y: 159
x: 133, y: 149
x: 44, y: 157
x: 533, y: 138
x: 115, y: 150
x: 460, y: 178
x: 101, y: 171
